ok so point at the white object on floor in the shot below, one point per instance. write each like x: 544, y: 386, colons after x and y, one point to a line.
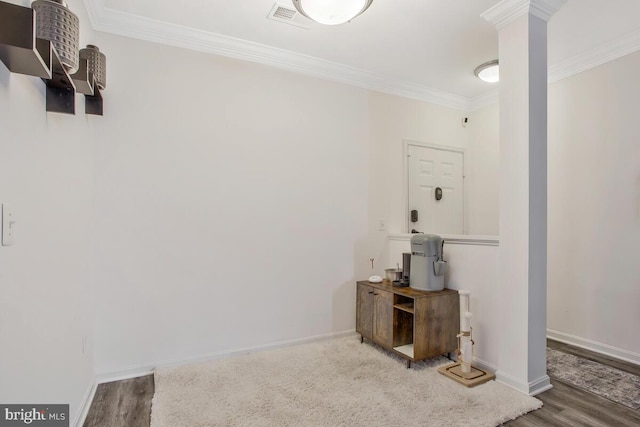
x: 405, y: 349
x: 333, y: 382
x: 465, y: 344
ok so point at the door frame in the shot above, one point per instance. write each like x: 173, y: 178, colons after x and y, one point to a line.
x: 406, y: 143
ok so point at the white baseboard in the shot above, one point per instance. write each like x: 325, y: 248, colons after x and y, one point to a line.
x: 146, y: 369
x: 124, y: 374
x: 541, y: 384
x: 484, y: 365
x: 512, y: 382
x: 531, y: 388
x: 86, y: 405
x: 608, y: 350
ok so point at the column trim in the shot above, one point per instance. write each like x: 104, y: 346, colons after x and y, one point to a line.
x: 507, y: 11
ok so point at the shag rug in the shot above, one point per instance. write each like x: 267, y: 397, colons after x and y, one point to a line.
x: 338, y: 382
x: 611, y: 383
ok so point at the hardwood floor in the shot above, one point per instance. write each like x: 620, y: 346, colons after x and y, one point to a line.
x: 596, y: 357
x: 127, y: 403
x: 566, y: 405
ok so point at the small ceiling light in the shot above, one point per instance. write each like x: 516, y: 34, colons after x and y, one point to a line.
x: 488, y: 72
x: 331, y: 12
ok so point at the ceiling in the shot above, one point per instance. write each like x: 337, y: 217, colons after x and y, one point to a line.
x: 428, y: 47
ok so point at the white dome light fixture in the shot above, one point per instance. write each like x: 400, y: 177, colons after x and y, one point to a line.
x: 488, y: 72
x: 331, y: 12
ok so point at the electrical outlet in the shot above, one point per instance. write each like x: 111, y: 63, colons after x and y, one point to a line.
x: 382, y: 226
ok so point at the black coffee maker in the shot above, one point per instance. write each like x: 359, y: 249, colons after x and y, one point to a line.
x: 406, y: 271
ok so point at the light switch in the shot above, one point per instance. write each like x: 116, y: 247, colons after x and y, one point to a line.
x: 8, y: 224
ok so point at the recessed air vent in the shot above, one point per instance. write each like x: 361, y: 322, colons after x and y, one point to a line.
x: 288, y: 15
x: 284, y: 13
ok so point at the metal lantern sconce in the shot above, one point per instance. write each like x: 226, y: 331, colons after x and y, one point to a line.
x: 56, y: 23
x: 92, y: 78
x: 96, y: 63
x: 44, y: 41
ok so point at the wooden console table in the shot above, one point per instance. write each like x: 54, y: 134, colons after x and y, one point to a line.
x: 414, y: 324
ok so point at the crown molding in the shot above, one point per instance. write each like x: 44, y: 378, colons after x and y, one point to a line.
x: 139, y: 27
x: 125, y: 24
x: 94, y: 10
x: 483, y: 100
x: 545, y: 9
x: 597, y: 56
x: 602, y: 54
x: 507, y: 11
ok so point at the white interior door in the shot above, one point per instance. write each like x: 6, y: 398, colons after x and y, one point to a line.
x: 428, y: 170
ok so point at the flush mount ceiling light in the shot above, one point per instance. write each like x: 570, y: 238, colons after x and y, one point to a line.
x: 488, y: 72
x: 331, y: 12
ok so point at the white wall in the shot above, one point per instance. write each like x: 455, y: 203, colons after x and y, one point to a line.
x: 46, y: 172
x: 483, y: 181
x: 594, y: 208
x: 394, y: 119
x: 230, y: 207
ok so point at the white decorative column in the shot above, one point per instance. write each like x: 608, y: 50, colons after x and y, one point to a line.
x: 522, y: 34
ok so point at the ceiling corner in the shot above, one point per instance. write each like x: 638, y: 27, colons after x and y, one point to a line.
x: 483, y: 100
x: 507, y: 10
x: 95, y: 10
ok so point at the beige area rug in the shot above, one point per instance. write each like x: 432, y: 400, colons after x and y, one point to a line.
x: 338, y: 382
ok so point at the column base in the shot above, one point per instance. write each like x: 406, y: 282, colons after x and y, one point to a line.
x: 531, y: 388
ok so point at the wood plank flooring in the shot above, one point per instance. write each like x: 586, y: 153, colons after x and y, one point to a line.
x: 596, y: 357
x: 566, y: 405
x: 127, y: 403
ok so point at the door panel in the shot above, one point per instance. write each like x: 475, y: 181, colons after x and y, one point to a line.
x: 429, y: 168
x: 364, y: 311
x: 383, y: 317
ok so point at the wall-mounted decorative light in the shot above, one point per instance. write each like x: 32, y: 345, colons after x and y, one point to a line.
x: 91, y: 78
x: 488, y: 72
x: 56, y: 23
x: 43, y: 41
x: 96, y: 64
x: 331, y: 12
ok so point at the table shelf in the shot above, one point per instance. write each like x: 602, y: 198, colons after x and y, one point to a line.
x: 407, y: 306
